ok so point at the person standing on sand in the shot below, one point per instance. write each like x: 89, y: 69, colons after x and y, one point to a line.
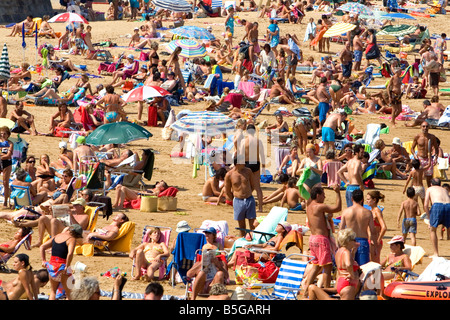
x: 395, y: 93
x: 427, y: 146
x: 319, y: 217
x: 238, y: 191
x: 437, y: 207
x: 354, y: 170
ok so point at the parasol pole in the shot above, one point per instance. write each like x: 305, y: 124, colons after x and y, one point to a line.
x: 24, y: 44
x: 36, y: 43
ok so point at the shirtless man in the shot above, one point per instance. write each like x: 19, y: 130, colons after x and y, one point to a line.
x: 251, y: 149
x: 427, y: 146
x: 82, y: 152
x: 252, y: 37
x: 394, y: 91
x: 238, y: 191
x: 331, y: 125
x: 106, y: 233
x: 358, y: 48
x: 279, y: 94
x: 346, y: 58
x: 324, y: 100
x: 212, y: 188
x: 3, y: 106
x: 23, y: 119
x: 320, y: 217
x: 354, y: 170
x: 437, y: 207
x: 360, y: 220
x: 431, y: 113
x: 17, y: 28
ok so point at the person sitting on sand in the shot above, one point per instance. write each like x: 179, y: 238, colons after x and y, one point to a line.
x: 213, y: 187
x: 65, y: 118
x: 292, y: 196
x: 20, y: 78
x: 45, y: 29
x: 124, y: 193
x: 149, y: 255
x: 23, y: 283
x: 24, y: 121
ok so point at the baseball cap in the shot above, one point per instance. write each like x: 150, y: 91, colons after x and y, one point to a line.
x: 79, y: 201
x: 210, y: 230
x: 130, y: 56
x: 183, y: 226
x: 396, y: 140
x: 286, y: 225
x: 396, y: 239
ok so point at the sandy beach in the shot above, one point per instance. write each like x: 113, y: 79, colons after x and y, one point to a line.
x: 179, y: 173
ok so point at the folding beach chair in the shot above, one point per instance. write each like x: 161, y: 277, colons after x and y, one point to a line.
x: 371, y: 135
x: 289, y: 280
x: 26, y: 241
x: 21, y: 196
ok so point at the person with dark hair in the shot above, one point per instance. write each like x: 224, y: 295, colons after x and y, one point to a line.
x: 410, y: 207
x: 9, y: 246
x: 397, y: 261
x: 277, y: 195
x: 212, y: 189
x: 437, y: 208
x: 154, y: 291
x: 113, y: 105
x: 319, y: 217
x: 354, y: 170
x: 26, y: 24
x: 360, y: 220
x: 427, y: 147
x: 23, y: 283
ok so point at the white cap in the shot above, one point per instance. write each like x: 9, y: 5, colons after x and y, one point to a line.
x: 396, y: 140
x: 63, y: 145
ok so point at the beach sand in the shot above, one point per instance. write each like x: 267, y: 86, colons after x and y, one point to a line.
x: 190, y: 204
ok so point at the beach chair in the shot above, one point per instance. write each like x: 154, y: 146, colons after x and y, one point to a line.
x: 121, y: 244
x: 289, y: 279
x: 165, y: 237
x: 220, y: 226
x: 371, y: 135
x: 21, y: 196
x: 184, y: 255
x: 26, y: 241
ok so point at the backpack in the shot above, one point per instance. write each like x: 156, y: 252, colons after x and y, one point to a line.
x: 245, y: 50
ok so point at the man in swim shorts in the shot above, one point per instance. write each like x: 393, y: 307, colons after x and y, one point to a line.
x: 329, y: 128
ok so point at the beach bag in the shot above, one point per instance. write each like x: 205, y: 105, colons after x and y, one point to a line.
x: 244, y: 258
x: 167, y: 203
x: 246, y: 275
x: 266, y: 177
x: 144, y: 56
x: 267, y: 272
x: 373, y: 53
x: 152, y: 120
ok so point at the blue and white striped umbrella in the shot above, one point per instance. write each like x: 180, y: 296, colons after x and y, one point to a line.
x: 5, y: 69
x: 193, y: 32
x: 172, y: 5
x: 207, y: 123
x: 189, y: 48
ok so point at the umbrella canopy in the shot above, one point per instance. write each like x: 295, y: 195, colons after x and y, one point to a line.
x: 356, y: 8
x: 117, y: 133
x: 189, y: 48
x: 68, y: 17
x: 193, y: 32
x: 5, y: 69
x: 173, y: 5
x: 338, y: 29
x: 5, y: 122
x: 204, y: 122
x: 145, y: 92
x: 399, y: 15
x: 398, y: 30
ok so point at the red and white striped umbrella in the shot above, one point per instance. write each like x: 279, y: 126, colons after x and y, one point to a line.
x: 68, y: 17
x: 145, y: 92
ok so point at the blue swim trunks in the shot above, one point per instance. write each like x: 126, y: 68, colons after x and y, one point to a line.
x: 440, y: 214
x: 362, y: 255
x: 409, y: 225
x: 323, y: 108
x: 348, y: 194
x: 244, y: 208
x: 357, y: 54
x: 328, y: 134
x: 298, y: 207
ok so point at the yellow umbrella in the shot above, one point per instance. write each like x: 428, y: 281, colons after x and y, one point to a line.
x: 5, y: 122
x: 338, y: 29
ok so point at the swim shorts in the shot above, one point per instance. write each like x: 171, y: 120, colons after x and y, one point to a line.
x: 244, y: 208
x: 255, y: 167
x: 362, y: 255
x: 328, y: 134
x: 320, y: 248
x: 347, y: 70
x: 440, y: 214
x: 323, y: 108
x: 348, y: 194
x: 357, y: 54
x: 423, y: 163
x: 409, y: 225
x: 419, y: 191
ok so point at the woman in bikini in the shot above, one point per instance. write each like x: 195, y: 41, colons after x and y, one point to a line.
x: 372, y: 199
x: 174, y: 65
x: 113, y: 105
x: 149, y: 255
x: 45, y: 174
x: 397, y: 260
x: 23, y: 283
x: 314, y: 163
x: 6, y: 149
x: 290, y: 163
x: 9, y: 246
x: 65, y: 118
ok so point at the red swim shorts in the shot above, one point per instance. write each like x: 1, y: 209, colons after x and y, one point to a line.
x: 320, y: 248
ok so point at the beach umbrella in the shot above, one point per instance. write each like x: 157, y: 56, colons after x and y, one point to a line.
x: 189, y: 48
x: 356, y: 8
x: 145, y: 92
x: 338, y: 29
x: 398, y: 30
x: 193, y: 32
x: 5, y: 122
x: 117, y: 133
x: 207, y: 123
x: 5, y: 69
x: 398, y: 15
x: 173, y: 5
x: 68, y: 17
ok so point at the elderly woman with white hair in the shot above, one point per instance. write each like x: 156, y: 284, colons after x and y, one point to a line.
x: 88, y: 288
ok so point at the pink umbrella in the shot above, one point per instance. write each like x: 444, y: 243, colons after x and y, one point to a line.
x: 68, y: 17
x: 145, y: 92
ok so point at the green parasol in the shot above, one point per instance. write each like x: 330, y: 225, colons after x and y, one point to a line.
x: 399, y: 30
x: 117, y: 133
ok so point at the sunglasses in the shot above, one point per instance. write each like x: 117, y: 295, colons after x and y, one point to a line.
x: 32, y: 161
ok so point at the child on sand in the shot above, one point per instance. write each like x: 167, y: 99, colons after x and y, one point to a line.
x: 411, y: 209
x: 416, y: 178
x: 292, y: 196
x: 135, y: 39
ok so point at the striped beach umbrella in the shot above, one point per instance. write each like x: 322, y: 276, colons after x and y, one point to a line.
x: 193, y: 32
x: 397, y: 30
x: 189, y: 48
x: 356, y: 8
x: 145, y: 92
x: 338, y: 29
x: 172, y: 5
x: 207, y: 123
x: 68, y: 17
x: 5, y: 69
x: 399, y: 15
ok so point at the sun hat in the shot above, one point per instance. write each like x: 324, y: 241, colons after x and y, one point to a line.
x: 130, y: 56
x: 210, y: 230
x: 79, y: 201
x: 183, y: 226
x: 396, y: 239
x: 63, y: 145
x: 286, y: 225
x: 396, y: 140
